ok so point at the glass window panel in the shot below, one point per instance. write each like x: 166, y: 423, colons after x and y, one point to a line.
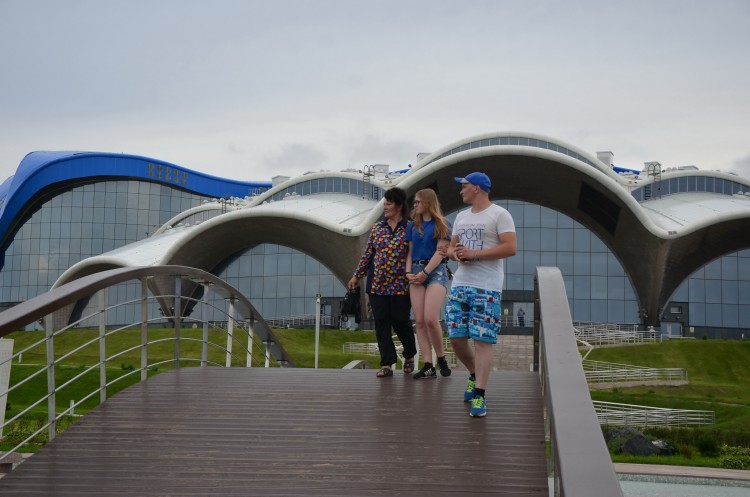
x: 744, y: 319
x: 729, y: 292
x: 548, y: 218
x: 565, y: 240
x: 598, y: 264
x: 713, y: 269
x: 531, y: 239
x: 530, y: 262
x: 615, y: 311
x: 548, y: 240
x: 729, y: 316
x: 569, y: 286
x: 691, y: 184
x: 581, y: 310
x: 513, y: 282
x: 581, y: 287
x: 616, y: 287
x: 598, y: 287
x: 298, y: 263
x: 531, y: 215
x: 697, y: 290
x: 298, y: 285
x: 743, y: 291
x: 599, y: 313
x: 565, y: 263
x: 284, y: 287
x: 729, y: 268
x: 582, y: 240
x: 581, y: 263
x: 548, y: 259
x: 713, y: 291
x: 701, y: 183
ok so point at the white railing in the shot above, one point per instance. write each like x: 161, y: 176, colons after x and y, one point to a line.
x: 614, y: 334
x: 304, y: 321
x: 245, y: 340
x: 372, y: 349
x: 610, y: 372
x: 610, y: 413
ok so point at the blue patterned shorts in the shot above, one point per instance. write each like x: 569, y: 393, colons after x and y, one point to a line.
x: 473, y: 313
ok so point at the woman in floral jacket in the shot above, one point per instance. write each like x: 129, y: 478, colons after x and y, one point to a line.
x: 384, y: 261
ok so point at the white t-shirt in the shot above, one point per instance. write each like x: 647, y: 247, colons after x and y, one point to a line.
x: 480, y: 231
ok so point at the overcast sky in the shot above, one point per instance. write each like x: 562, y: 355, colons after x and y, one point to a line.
x: 247, y: 90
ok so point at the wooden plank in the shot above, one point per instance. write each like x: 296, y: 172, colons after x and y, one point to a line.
x: 216, y: 431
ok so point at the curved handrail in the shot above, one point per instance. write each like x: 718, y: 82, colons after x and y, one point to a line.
x: 580, y: 461
x: 43, y: 305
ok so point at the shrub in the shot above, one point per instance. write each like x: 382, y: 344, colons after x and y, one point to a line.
x: 685, y: 450
x: 707, y: 445
x: 735, y: 462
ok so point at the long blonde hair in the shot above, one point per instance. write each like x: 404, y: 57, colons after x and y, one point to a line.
x: 431, y: 204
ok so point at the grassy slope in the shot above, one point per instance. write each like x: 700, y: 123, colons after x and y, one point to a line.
x: 717, y: 372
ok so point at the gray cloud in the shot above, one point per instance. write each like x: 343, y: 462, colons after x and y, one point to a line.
x: 254, y: 86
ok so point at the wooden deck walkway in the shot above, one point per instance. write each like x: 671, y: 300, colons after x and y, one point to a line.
x: 297, y: 432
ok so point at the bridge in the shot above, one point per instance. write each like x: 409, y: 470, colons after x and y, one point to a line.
x: 292, y: 431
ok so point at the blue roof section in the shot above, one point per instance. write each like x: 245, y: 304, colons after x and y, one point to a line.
x: 39, y: 170
x: 619, y: 169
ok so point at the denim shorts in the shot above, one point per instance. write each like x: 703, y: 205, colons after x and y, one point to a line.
x: 473, y: 313
x: 438, y: 276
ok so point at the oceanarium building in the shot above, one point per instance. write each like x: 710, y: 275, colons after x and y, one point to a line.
x: 664, y: 246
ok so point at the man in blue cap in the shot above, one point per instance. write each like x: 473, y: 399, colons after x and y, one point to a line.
x: 482, y: 237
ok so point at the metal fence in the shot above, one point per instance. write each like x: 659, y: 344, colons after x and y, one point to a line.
x: 611, y: 372
x: 244, y: 340
x: 614, y: 334
x: 611, y: 413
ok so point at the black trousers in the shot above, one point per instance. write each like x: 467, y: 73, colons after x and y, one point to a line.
x: 392, y: 311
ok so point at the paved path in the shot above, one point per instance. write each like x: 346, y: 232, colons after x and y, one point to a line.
x: 666, y: 470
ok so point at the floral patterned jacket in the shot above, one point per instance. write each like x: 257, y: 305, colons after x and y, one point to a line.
x: 384, y: 260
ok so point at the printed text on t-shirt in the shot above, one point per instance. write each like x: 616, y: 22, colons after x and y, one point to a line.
x: 471, y: 238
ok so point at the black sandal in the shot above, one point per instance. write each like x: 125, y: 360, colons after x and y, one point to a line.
x: 409, y: 366
x: 384, y: 372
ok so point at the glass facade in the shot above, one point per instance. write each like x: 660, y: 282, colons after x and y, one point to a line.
x: 79, y: 223
x: 280, y: 282
x: 686, y: 184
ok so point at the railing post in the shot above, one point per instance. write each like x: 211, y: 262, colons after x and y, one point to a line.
x: 144, y: 328
x: 250, y: 337
x: 230, y: 332
x: 49, y: 331
x: 102, y: 345
x: 176, y: 313
x: 204, y: 318
x: 317, y: 328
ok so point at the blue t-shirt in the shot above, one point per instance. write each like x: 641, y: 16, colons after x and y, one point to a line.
x: 423, y: 245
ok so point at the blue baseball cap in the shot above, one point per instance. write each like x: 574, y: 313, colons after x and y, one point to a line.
x: 477, y: 179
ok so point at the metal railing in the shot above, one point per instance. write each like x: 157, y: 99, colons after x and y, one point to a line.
x: 579, y: 458
x: 371, y: 348
x: 611, y: 372
x: 304, y: 321
x: 244, y: 340
x: 614, y: 334
x: 611, y: 413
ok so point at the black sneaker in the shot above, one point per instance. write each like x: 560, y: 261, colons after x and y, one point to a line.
x: 427, y: 371
x: 443, y: 365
